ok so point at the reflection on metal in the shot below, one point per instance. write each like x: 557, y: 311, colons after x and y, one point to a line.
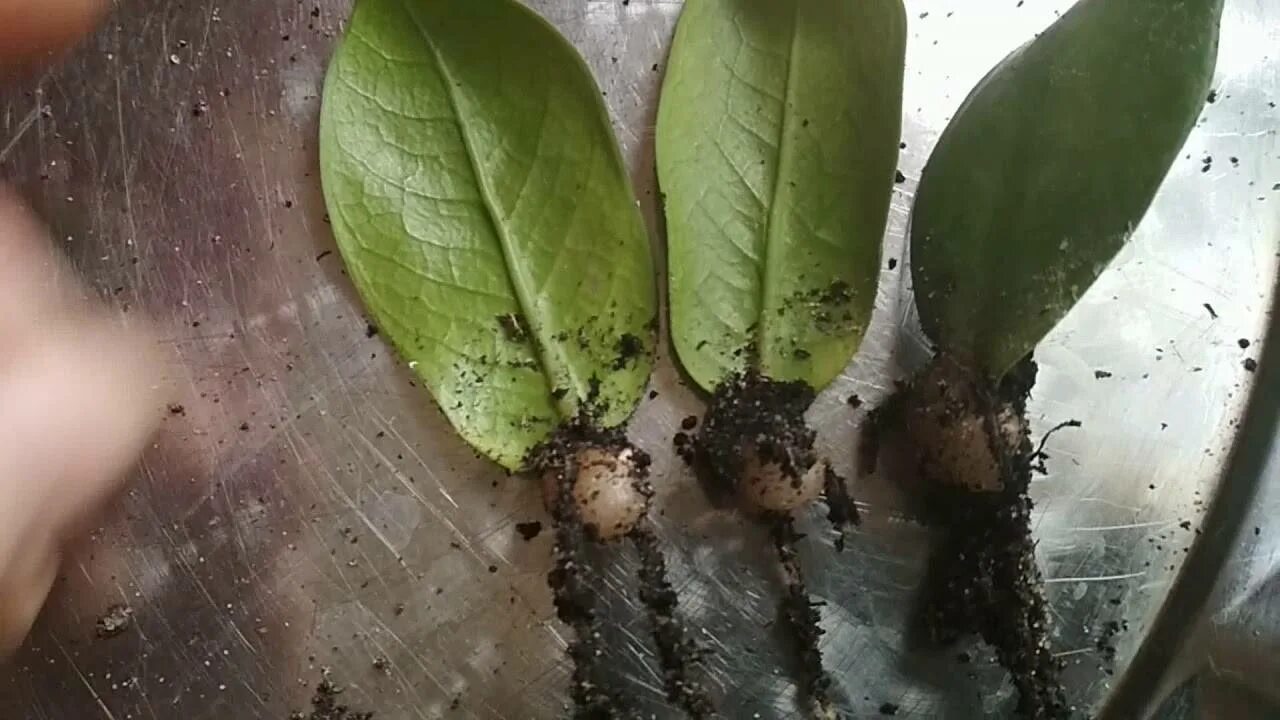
x: 344, y: 526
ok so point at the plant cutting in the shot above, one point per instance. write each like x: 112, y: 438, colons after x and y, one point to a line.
x: 777, y: 144
x: 485, y: 215
x: 1037, y: 182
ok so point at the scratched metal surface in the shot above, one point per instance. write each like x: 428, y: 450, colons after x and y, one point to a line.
x: 311, y: 509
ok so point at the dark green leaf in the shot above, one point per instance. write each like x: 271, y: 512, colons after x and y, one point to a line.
x: 1049, y: 165
x: 777, y: 144
x: 480, y: 202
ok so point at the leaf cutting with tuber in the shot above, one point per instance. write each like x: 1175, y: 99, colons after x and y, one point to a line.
x: 482, y: 207
x: 1041, y: 177
x: 777, y: 145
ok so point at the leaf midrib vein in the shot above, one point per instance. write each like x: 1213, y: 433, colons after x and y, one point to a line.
x: 769, y: 276
x: 522, y: 292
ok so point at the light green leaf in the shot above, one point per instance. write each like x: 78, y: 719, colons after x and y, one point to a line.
x: 777, y: 142
x: 484, y: 212
x: 1049, y: 165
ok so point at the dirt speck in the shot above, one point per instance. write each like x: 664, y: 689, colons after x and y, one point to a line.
x: 629, y: 348
x: 115, y: 621
x: 529, y: 530
x: 513, y: 327
x: 325, y: 705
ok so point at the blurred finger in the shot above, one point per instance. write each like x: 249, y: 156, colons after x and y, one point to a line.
x: 35, y: 283
x: 79, y: 398
x: 30, y: 28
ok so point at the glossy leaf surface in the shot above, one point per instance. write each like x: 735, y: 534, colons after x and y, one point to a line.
x: 1048, y: 167
x: 777, y: 145
x: 485, y: 215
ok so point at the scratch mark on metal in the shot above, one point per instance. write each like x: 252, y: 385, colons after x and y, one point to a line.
x: 23, y: 127
x: 106, y: 711
x: 1096, y: 578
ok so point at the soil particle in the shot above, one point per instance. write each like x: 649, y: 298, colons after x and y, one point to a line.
x: 115, y: 621
x: 983, y: 578
x: 629, y: 348
x: 751, y: 413
x: 513, y: 327
x: 685, y: 448
x: 1250, y: 365
x: 1105, y: 644
x: 841, y: 510
x: 325, y: 705
x: 529, y: 530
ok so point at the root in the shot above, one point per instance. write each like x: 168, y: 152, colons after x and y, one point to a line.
x: 575, y: 588
x: 756, y: 451
x: 678, y: 653
x: 597, y: 489
x: 801, y: 618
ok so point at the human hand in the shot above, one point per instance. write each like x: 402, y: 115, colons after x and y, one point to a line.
x: 79, y: 395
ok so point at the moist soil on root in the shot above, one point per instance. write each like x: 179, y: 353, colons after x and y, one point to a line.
x: 982, y: 577
x: 679, y: 654
x: 749, y: 412
x: 573, y: 582
x: 800, y: 616
x: 575, y: 586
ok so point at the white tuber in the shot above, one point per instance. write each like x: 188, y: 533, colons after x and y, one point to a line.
x: 766, y: 488
x: 951, y: 435
x: 608, y: 490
